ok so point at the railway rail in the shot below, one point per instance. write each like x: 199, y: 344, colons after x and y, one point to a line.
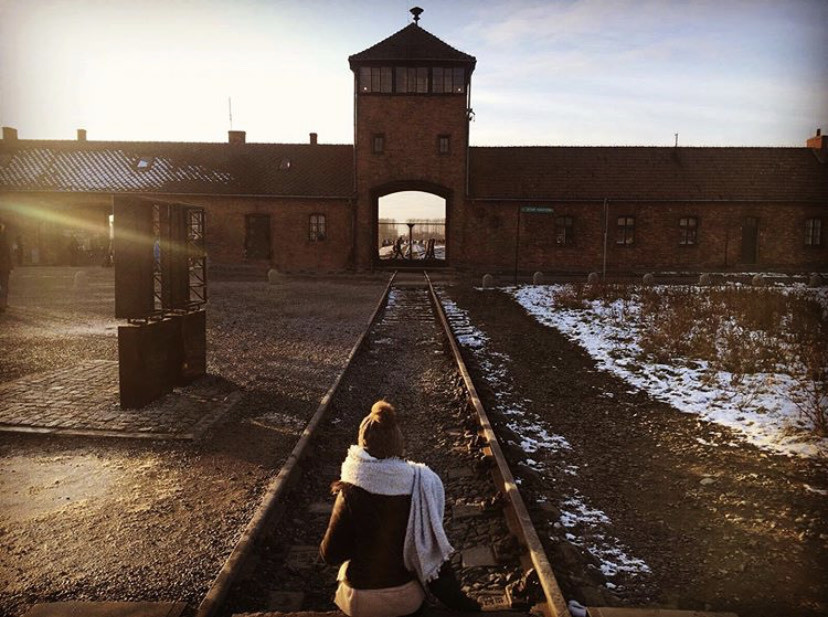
x: 409, y: 355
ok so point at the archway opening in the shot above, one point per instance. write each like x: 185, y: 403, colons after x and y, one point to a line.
x: 411, y: 229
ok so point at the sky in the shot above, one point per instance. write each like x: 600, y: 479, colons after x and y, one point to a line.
x: 574, y: 72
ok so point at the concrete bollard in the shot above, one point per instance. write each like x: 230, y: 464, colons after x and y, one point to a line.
x: 273, y: 276
x: 537, y: 278
x: 705, y: 279
x: 488, y: 281
x: 80, y: 281
x: 815, y: 280
x: 593, y: 278
x: 648, y: 279
x: 758, y: 280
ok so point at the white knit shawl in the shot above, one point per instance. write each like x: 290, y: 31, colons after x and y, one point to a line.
x: 426, y: 545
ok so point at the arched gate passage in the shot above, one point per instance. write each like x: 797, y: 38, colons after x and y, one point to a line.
x: 411, y: 225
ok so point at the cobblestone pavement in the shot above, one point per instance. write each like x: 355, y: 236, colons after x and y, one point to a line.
x: 83, y: 400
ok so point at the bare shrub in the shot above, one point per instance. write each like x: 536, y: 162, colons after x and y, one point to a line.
x: 740, y: 330
x: 571, y: 297
x: 812, y: 402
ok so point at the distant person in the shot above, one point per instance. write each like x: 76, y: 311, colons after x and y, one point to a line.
x: 429, y: 252
x: 386, y: 529
x: 397, y: 252
x: 5, y: 267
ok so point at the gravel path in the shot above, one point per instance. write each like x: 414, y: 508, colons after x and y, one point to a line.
x: 716, y: 523
x: 84, y: 519
x: 402, y: 361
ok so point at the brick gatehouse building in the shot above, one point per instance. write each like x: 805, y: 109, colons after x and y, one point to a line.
x: 315, y: 207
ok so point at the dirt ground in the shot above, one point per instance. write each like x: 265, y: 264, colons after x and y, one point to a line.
x: 108, y: 519
x: 721, y: 524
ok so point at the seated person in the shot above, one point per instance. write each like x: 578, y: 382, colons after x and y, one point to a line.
x: 386, y: 528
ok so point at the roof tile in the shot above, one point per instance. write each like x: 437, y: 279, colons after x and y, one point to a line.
x: 249, y: 169
x: 412, y: 43
x: 647, y: 173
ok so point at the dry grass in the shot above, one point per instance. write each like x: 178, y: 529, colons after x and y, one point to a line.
x: 739, y: 330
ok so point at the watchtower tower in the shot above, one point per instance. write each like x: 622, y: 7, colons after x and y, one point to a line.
x: 411, y: 128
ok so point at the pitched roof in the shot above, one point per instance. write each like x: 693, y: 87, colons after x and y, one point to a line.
x: 412, y: 43
x: 303, y: 170
x: 647, y: 173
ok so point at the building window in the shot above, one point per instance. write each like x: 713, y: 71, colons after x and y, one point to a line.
x: 813, y: 232
x: 375, y: 79
x: 316, y: 232
x: 257, y: 236
x: 443, y: 144
x: 378, y: 143
x: 563, y: 230
x: 625, y: 233
x: 448, y: 80
x: 411, y: 79
x: 688, y: 230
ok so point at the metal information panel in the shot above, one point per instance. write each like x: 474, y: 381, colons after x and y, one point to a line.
x: 161, y: 288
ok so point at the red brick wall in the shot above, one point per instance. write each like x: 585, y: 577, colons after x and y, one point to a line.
x: 411, y: 125
x: 292, y: 250
x: 491, y: 237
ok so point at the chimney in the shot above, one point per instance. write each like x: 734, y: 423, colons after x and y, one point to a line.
x: 236, y: 137
x: 818, y: 144
x: 9, y: 134
x: 81, y: 134
x: 313, y: 137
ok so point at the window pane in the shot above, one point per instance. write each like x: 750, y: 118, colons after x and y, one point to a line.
x: 364, y: 79
x: 402, y: 80
x: 459, y: 81
x: 385, y: 72
x: 375, y: 79
x: 437, y: 79
x: 422, y: 79
x: 813, y: 232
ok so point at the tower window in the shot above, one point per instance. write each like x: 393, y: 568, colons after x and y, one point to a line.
x: 378, y: 143
x: 411, y: 79
x: 444, y: 144
x: 448, y: 80
x: 375, y: 79
x: 625, y: 230
x: 316, y: 232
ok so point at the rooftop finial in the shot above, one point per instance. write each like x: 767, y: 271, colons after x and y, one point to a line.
x: 416, y: 13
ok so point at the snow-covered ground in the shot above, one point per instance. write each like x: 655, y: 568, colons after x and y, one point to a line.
x: 579, y: 523
x: 760, y: 407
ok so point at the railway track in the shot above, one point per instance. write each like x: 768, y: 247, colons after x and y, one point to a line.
x: 408, y: 355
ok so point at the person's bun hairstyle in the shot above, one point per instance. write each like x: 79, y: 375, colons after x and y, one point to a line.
x: 379, y: 434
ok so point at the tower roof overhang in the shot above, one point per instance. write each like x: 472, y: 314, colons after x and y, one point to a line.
x: 412, y: 45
